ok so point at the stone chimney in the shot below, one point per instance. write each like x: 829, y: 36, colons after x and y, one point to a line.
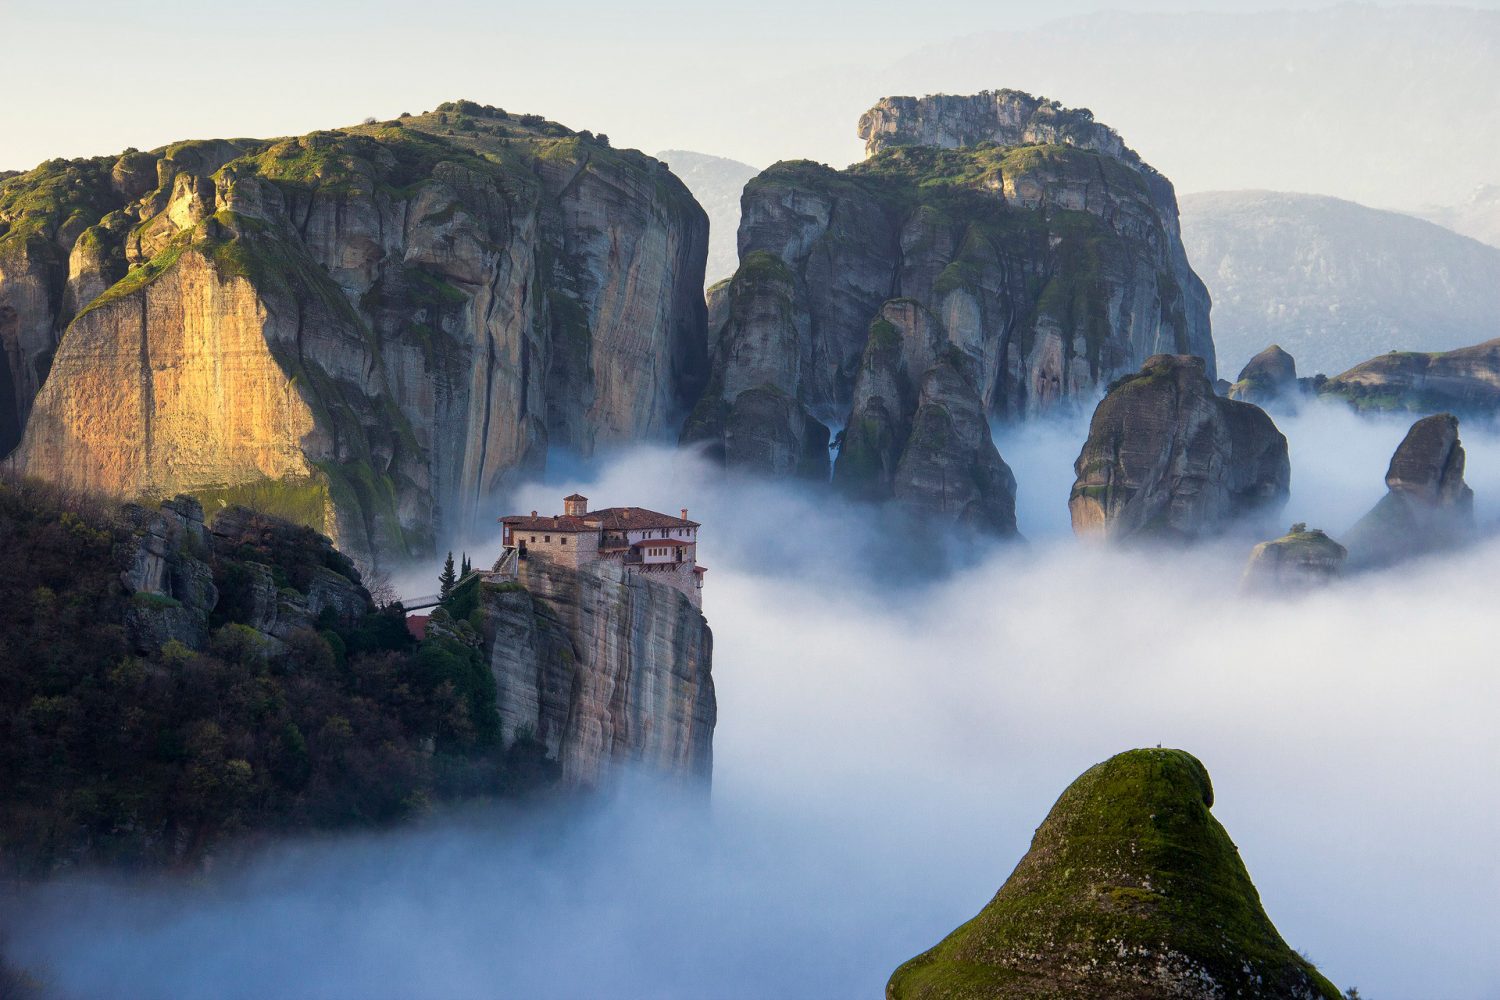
x: 684, y: 513
x: 576, y: 505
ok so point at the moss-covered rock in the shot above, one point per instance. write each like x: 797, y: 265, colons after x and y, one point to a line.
x: 1132, y: 890
x: 404, y: 314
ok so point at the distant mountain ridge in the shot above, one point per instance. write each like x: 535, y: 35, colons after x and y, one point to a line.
x: 1477, y: 216
x: 1335, y: 282
x: 717, y: 182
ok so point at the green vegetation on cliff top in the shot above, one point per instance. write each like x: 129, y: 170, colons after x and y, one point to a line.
x: 114, y: 754
x: 1130, y: 882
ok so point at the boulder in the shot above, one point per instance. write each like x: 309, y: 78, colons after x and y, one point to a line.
x: 1299, y: 560
x: 1131, y: 890
x: 1270, y: 376
x: 1167, y: 458
x: 1427, y: 507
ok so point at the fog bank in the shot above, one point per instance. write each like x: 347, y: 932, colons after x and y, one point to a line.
x: 886, y: 747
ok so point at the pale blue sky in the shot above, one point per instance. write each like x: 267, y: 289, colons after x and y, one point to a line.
x: 95, y: 77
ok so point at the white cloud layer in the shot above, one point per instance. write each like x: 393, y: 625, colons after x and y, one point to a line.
x: 886, y: 746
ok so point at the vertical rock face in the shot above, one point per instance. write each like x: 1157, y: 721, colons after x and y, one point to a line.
x: 1131, y: 890
x: 1299, y: 560
x: 1428, y: 506
x: 1002, y: 117
x: 1167, y: 458
x: 368, y: 329
x: 605, y: 670
x: 1023, y: 236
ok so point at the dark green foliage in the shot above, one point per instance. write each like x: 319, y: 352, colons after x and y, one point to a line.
x: 111, y: 755
x: 447, y: 578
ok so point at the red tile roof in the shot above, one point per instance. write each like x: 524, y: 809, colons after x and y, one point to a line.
x: 660, y: 541
x: 575, y: 496
x: 417, y: 626
x: 634, y: 518
x: 558, y: 522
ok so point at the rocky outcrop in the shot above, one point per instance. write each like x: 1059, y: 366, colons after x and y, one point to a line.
x: 1427, y: 508
x: 273, y: 577
x: 367, y: 330
x: 1166, y: 458
x: 170, y: 583
x: 1301, y: 559
x: 604, y: 668
x: 1131, y: 890
x: 1465, y: 381
x: 1271, y: 376
x: 1051, y: 261
x: 1001, y: 117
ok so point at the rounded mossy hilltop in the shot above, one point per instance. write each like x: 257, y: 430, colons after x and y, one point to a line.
x: 1131, y: 891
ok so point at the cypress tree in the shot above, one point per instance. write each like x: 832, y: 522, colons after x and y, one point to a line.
x: 447, y: 578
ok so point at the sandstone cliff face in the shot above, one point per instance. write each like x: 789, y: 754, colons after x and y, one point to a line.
x: 1052, y: 267
x: 1167, y: 458
x: 604, y: 669
x: 1428, y: 506
x: 1131, y: 890
x: 369, y: 329
x: 1465, y: 381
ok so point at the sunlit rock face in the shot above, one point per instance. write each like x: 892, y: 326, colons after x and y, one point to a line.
x: 1020, y: 235
x: 1131, y: 890
x: 606, y: 669
x: 1166, y: 458
x: 1427, y: 507
x: 368, y: 329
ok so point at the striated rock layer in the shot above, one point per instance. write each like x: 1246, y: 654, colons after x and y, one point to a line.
x: 604, y: 669
x: 1464, y: 381
x: 1131, y: 890
x: 1041, y: 250
x: 368, y: 330
x: 1168, y: 458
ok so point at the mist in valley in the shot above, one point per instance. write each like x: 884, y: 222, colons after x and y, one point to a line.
x: 887, y: 742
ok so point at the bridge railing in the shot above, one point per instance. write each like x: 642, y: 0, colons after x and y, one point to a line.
x: 506, y: 570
